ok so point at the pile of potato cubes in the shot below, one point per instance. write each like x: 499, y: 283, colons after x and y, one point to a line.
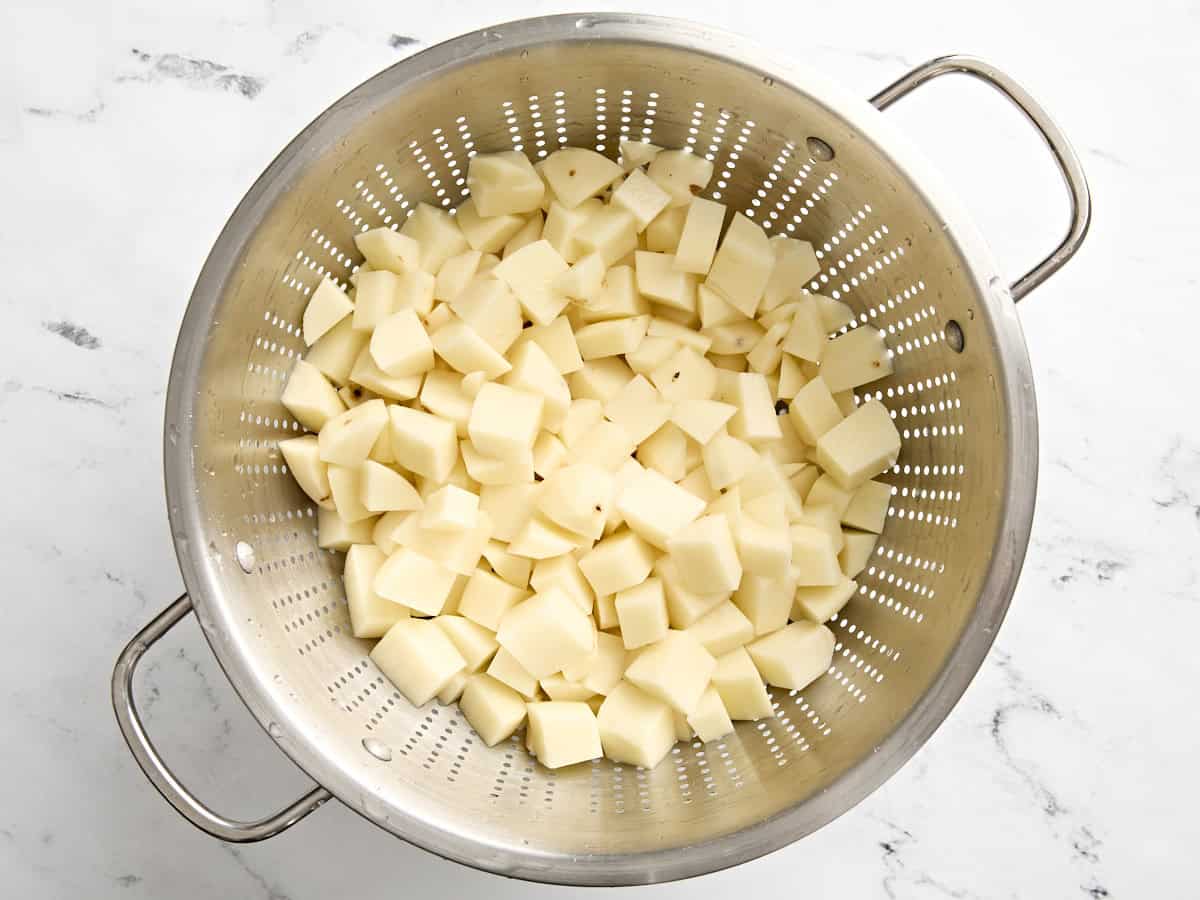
x: 592, y: 453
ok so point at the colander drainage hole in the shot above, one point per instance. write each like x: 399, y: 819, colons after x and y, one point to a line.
x: 244, y: 554
x: 955, y: 338
x: 819, y: 150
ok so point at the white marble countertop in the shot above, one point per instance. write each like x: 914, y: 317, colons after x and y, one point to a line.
x: 128, y: 134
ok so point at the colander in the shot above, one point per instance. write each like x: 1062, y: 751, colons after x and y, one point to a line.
x: 798, y: 156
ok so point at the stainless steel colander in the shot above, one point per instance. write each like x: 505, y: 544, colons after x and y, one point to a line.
x: 798, y: 156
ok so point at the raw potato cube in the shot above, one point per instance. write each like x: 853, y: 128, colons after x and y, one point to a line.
x: 683, y: 731
x: 641, y: 197
x: 793, y: 657
x: 418, y: 582
x: 610, y: 232
x: 418, y: 658
x: 681, y: 174
x: 504, y: 422
x: 303, y: 458
x: 327, y: 306
x: 722, y: 629
x: 457, y: 272
x: 505, y: 669
x: 546, y: 632
x: 388, y: 250
x: 529, y: 273
x: 686, y: 375
x: 382, y: 489
x: 562, y: 733
x: 617, y: 297
x: 742, y: 266
x: 504, y: 183
x: 400, y: 346
x: 466, y: 350
x: 636, y: 153
x: 542, y: 539
x: 605, y: 444
x: 556, y: 687
x: 334, y: 533
x: 845, y: 401
x: 486, y: 235
x: 576, y: 173
x: 489, y: 470
x: 638, y: 408
x: 370, y: 615
x: 854, y: 358
x: 861, y: 446
x: 767, y: 477
x: 767, y: 355
x: 583, y: 413
x: 562, y: 228
x: 705, y: 555
x: 530, y: 232
x: 509, y: 507
x: 662, y: 281
x: 534, y: 372
x: 422, y: 443
x: 642, y: 614
x: 563, y: 572
x: 806, y: 335
x: 577, y: 497
x: 813, y: 411
x: 437, y: 233
x: 796, y: 264
x: 487, y: 599
x: 656, y: 508
x: 814, y: 556
x: 791, y: 379
x: 766, y: 602
x: 713, y: 309
x: 676, y: 670
x: 767, y: 509
x: 684, y: 607
x: 663, y: 234
x: 334, y: 354
x: 736, y: 337
x: 611, y: 338
x: 857, y: 547
x: 727, y: 460
x: 666, y: 451
x: 442, y: 394
x: 558, y: 340
x: 492, y: 708
x: 825, y: 519
x: 347, y: 438
x: 763, y: 550
x: 606, y: 614
x: 635, y: 728
x: 681, y: 334
x: 740, y: 687
x: 825, y: 492
x: 583, y: 280
x: 414, y: 290
x: 701, y: 231
x: 696, y: 483
x: 710, y: 720
x: 620, y: 561
x: 600, y: 671
x: 515, y: 570
x: 492, y: 311
x: 549, y: 454
x: 868, y: 507
x: 600, y: 379
x: 309, y: 397
x: 476, y: 643
x: 820, y: 604
x: 755, y: 420
x: 450, y: 508
x: 702, y: 419
x: 368, y: 375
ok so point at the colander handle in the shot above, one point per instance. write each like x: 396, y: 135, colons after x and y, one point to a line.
x: 156, y: 770
x: 1064, y: 154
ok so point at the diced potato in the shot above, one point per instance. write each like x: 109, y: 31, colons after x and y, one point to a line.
x: 530, y: 233
x: 642, y: 614
x: 806, y: 335
x: 303, y: 458
x: 418, y: 658
x: 701, y: 231
x: 582, y: 414
x: 736, y: 337
x: 663, y: 234
x: 423, y: 443
x: 684, y: 607
x: 611, y: 338
x: 617, y: 297
x: 656, y: 508
x: 821, y: 603
x: 766, y: 602
x: 641, y: 198
x: 442, y: 395
x: 563, y: 225
x: 400, y: 346
x: 491, y: 310
x: 767, y: 355
x: 558, y: 340
x: 705, y: 555
x: 437, y: 233
x: 556, y: 687
x: 710, y: 719
x: 540, y: 538
x: 727, y: 460
x: 600, y: 671
x: 686, y: 375
x: 659, y: 279
x: 605, y: 613
x: 327, y: 306
x: 534, y: 373
x: 583, y: 280
x: 681, y: 174
x: 335, y: 533
x: 515, y: 570
x: 490, y: 470
x: 856, y: 552
x: 814, y: 556
x: 466, y: 350
x: 793, y: 657
x: 604, y: 444
x: 610, y: 232
x: 546, y: 632
x: 740, y: 687
x: 504, y: 422
x: 529, y: 273
x: 867, y: 510
x: 742, y: 265
x: 563, y: 573
x: 796, y: 264
x: 310, y: 397
x: 763, y: 550
x: 383, y: 489
x: 826, y: 492
x: 577, y: 497
x: 487, y: 598
x: 368, y: 375
x: 620, y: 561
x: 636, y: 153
x: 702, y: 419
x: 666, y: 451
x: 722, y: 629
x: 476, y: 644
x: 576, y: 173
x: 457, y: 272
x: 416, y: 581
x: 335, y: 352
x: 388, y: 250
x: 696, y: 483
x: 856, y: 357
x: 635, y: 728
x: 549, y: 454
x: 562, y: 733
x: 505, y: 669
x: 486, y: 235
x: 370, y: 614
x: 450, y: 508
x: 813, y: 411
x: 755, y: 419
x: 676, y: 670
x: 638, y: 408
x: 504, y: 183
x: 492, y: 708
x: 600, y: 379
x: 509, y: 507
x: 348, y: 437
x: 861, y: 446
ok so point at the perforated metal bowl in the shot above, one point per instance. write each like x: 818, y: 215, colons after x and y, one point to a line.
x: 800, y: 157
